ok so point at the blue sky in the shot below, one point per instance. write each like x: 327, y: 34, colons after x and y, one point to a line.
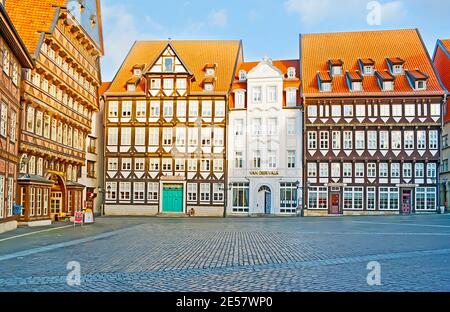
x: 267, y: 27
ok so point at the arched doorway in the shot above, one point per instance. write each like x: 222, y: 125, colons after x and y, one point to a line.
x: 265, y: 194
x: 58, y: 200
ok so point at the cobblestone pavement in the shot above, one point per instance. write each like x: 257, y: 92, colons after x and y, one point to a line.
x: 262, y: 254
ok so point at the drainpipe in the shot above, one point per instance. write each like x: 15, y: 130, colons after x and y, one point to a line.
x: 438, y: 186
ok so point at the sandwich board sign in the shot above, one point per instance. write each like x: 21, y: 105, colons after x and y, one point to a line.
x: 78, y: 218
x: 88, y: 217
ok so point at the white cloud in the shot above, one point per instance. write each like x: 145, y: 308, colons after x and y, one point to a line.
x: 218, y: 18
x: 314, y: 12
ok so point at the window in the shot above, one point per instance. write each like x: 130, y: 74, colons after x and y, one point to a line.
x: 154, y: 164
x: 168, y: 84
x: 181, y: 84
x: 318, y: 198
x: 168, y: 109
x: 126, y: 164
x: 180, y: 136
x: 155, y: 84
x: 30, y: 118
x: 371, y: 198
x: 435, y: 110
x: 410, y: 110
x: 371, y: 170
x: 372, y: 140
x: 359, y: 170
x: 206, y: 109
x: 335, y: 170
x: 125, y: 190
x: 139, y: 191
x: 219, y: 134
x: 206, y: 134
x: 396, y: 138
x: 192, y: 165
x: 238, y: 160
x: 324, y: 140
x: 192, y: 192
x: 139, y: 164
x: 125, y: 139
x: 291, y: 159
x: 421, y: 140
x: 167, y: 164
x: 433, y: 140
x: 420, y: 170
x: 323, y: 170
x: 113, y: 164
x: 180, y: 165
x: 336, y: 111
x: 348, y: 170
x: 384, y: 140
x: 336, y: 70
x: 3, y: 119
x: 208, y: 87
x: 167, y: 136
x: 193, y: 109
x: 240, y: 197
x: 13, y: 128
x: 272, y: 127
x: 385, y: 110
x: 388, y: 198
x: 218, y: 192
x: 271, y: 94
x: 218, y: 165
x: 360, y: 140
x: 257, y: 160
x: 326, y: 87
x: 312, y: 111
x: 152, y: 192
x: 141, y: 109
x: 291, y: 97
x: 168, y: 63
x: 348, y: 140
x: 272, y: 159
x: 239, y: 99
x: 397, y: 69
x: 154, y: 109
x: 409, y: 140
x: 312, y: 170
x: 205, y: 192
x: 395, y: 170
x: 181, y: 109
x: 111, y: 190
x: 288, y: 197
x: 193, y: 136
x: 421, y: 85
x: 431, y: 171
x: 353, y: 198
x: 360, y: 111
x: 291, y: 126
x: 126, y: 109
x: 407, y: 170
x: 291, y: 73
x: 6, y: 61
x: 139, y: 136
x: 336, y: 138
x: 2, y: 196
x: 383, y: 170
x: 153, y: 137
x: 426, y: 199
x: 256, y: 126
x: 348, y: 111
x: 219, y: 109
x: 257, y: 95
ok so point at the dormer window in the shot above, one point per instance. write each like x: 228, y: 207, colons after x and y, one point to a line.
x: 208, y: 87
x: 210, y: 72
x: 325, y: 82
x: 242, y: 75
x: 291, y: 73
x: 417, y: 79
x: 396, y: 65
x: 336, y: 67
x: 131, y: 87
x: 137, y: 72
x: 386, y: 80
x: 355, y: 81
x: 367, y: 66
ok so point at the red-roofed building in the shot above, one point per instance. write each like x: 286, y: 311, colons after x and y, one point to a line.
x: 372, y: 105
x: 264, y: 139
x: 441, y: 61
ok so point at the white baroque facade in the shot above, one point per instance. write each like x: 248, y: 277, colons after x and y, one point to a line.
x: 264, y: 140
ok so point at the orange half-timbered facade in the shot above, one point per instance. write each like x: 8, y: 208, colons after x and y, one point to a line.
x: 13, y: 57
x: 59, y: 97
x: 372, y: 123
x: 165, y: 119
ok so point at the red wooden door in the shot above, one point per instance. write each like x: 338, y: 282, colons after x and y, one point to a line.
x: 335, y: 204
x: 406, y: 202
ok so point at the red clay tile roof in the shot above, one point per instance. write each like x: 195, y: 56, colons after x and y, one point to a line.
x: 31, y: 18
x: 318, y: 49
x: 104, y: 86
x: 194, y: 54
x: 442, y: 64
x: 325, y: 76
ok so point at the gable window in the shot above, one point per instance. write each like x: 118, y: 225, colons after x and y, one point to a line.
x: 242, y: 75
x: 291, y: 73
x: 168, y: 63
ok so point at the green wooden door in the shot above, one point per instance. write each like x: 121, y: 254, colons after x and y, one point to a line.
x: 172, y: 199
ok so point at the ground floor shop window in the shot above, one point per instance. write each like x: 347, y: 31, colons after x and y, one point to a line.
x: 318, y: 198
x: 353, y: 198
x: 425, y: 199
x: 241, y: 195
x: 288, y: 198
x: 389, y: 198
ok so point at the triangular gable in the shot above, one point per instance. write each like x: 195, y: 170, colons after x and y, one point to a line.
x: 265, y: 70
x: 156, y: 66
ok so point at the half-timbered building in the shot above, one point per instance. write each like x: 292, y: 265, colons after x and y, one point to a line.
x: 372, y: 123
x: 59, y: 97
x: 13, y: 57
x: 264, y: 139
x: 165, y: 119
x: 441, y: 61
